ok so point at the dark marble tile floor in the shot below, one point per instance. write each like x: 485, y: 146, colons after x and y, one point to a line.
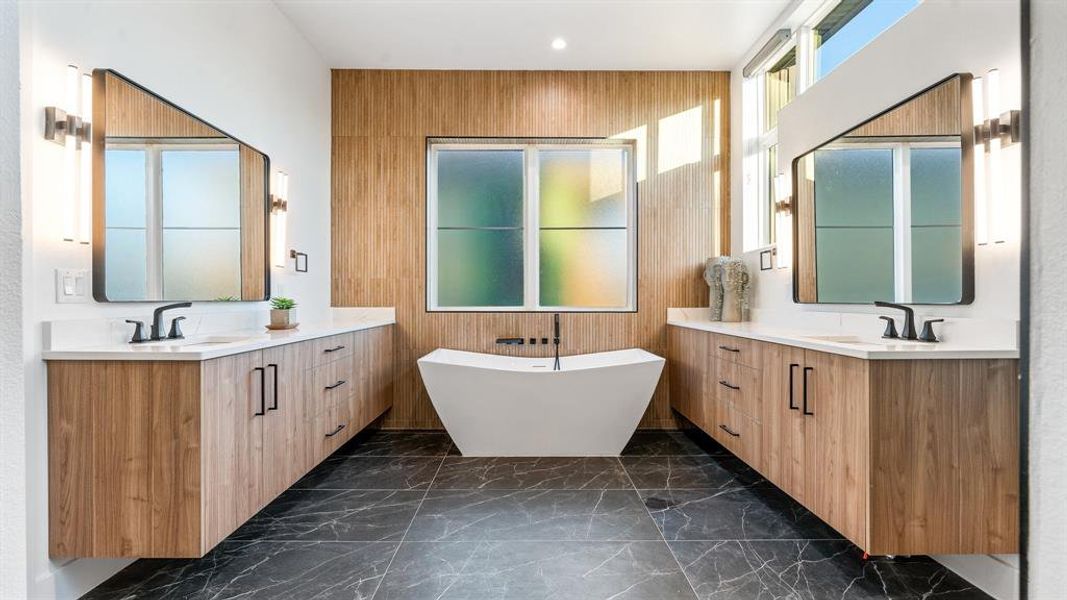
x: 401, y: 516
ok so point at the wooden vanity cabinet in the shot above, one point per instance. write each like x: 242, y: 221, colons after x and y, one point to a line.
x: 900, y: 456
x: 166, y: 459
x: 687, y: 369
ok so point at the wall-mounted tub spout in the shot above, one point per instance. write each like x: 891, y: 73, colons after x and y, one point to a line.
x: 511, y: 341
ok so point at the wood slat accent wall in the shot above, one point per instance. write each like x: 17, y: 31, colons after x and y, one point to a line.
x: 381, y: 120
x: 935, y: 112
x: 133, y: 113
x: 253, y: 224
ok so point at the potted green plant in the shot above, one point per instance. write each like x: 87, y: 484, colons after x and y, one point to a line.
x: 281, y: 310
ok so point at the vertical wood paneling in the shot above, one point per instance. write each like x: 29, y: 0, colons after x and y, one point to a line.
x: 989, y: 456
x: 253, y: 224
x: 381, y: 120
x: 935, y: 112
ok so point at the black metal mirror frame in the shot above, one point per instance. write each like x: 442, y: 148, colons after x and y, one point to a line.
x: 967, y: 198
x: 99, y: 136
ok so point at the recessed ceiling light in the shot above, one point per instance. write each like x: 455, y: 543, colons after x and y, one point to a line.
x: 559, y: 43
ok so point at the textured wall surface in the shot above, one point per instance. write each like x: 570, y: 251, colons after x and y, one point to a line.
x: 1048, y: 290
x: 12, y: 396
x: 380, y: 123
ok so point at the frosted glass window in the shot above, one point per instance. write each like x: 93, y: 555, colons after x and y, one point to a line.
x: 480, y: 267
x: 582, y: 188
x: 201, y: 188
x: 201, y: 264
x: 126, y: 264
x: 583, y: 267
x: 854, y: 187
x: 855, y: 265
x: 531, y: 225
x: 936, y: 259
x: 479, y: 188
x: 936, y: 231
x: 935, y: 186
x: 126, y: 190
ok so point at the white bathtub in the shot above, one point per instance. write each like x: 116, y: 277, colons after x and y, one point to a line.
x: 511, y: 406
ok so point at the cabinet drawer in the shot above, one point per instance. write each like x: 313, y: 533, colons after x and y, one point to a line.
x: 738, y: 432
x: 331, y: 348
x: 738, y: 384
x: 736, y: 350
x: 329, y: 430
x: 329, y: 384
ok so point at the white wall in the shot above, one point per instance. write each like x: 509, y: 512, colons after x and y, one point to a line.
x: 938, y: 38
x: 1048, y: 292
x: 12, y: 409
x: 240, y: 66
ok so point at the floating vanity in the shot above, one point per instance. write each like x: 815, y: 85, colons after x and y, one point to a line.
x: 904, y: 448
x: 164, y: 449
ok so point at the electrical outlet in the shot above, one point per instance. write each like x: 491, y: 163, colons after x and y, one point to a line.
x: 72, y: 286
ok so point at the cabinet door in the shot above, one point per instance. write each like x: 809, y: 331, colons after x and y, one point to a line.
x: 285, y: 456
x: 838, y: 403
x: 784, y: 453
x: 242, y: 379
x: 381, y: 372
x: 687, y: 367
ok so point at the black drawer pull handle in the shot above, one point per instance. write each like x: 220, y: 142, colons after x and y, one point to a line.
x: 727, y: 430
x: 336, y: 431
x: 805, y: 398
x: 339, y: 383
x: 792, y: 405
x: 732, y: 387
x: 334, y: 349
x: 729, y: 349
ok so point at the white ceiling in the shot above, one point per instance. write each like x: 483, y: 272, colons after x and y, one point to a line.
x: 515, y: 34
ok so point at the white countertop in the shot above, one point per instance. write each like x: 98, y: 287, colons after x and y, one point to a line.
x: 866, y: 346
x: 223, y: 343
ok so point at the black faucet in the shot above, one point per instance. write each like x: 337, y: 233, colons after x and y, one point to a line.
x: 908, y: 332
x: 157, y: 321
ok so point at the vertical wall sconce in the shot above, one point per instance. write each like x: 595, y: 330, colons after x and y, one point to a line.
x: 995, y: 131
x: 279, y: 206
x: 783, y: 224
x: 66, y: 127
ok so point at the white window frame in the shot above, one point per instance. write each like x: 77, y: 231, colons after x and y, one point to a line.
x: 531, y: 230
x: 902, y: 282
x: 153, y: 150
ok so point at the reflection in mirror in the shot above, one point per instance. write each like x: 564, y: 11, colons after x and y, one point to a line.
x: 884, y: 211
x: 182, y: 209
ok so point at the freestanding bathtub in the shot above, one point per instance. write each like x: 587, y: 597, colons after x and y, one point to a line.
x: 510, y: 406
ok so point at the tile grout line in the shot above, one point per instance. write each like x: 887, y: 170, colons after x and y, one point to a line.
x: 400, y: 544
x: 692, y: 588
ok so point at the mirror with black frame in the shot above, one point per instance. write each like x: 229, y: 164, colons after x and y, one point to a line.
x: 885, y: 210
x: 180, y: 209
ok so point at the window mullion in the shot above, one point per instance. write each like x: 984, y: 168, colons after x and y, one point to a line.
x: 154, y: 219
x: 531, y: 231
x: 902, y: 223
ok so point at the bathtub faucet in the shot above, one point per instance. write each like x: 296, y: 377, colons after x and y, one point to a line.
x: 555, y: 341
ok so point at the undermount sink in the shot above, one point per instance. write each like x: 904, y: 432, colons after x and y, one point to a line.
x: 841, y: 339
x: 852, y: 339
x: 201, y: 342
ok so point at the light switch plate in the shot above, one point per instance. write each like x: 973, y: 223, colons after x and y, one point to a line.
x: 72, y: 286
